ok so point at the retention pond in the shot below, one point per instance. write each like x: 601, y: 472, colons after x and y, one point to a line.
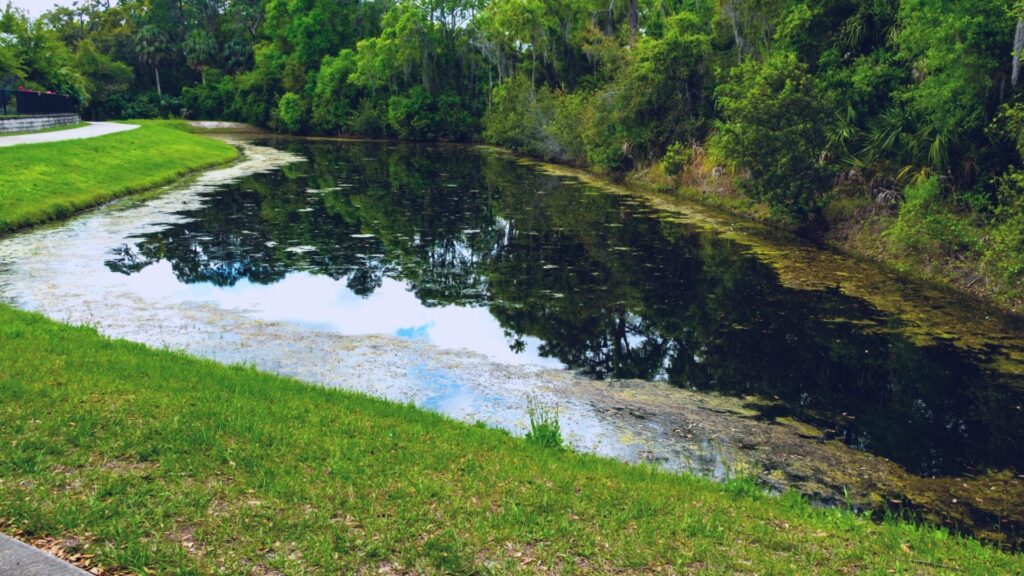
x: 473, y: 284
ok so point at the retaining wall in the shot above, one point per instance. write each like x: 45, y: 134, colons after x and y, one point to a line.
x: 30, y: 123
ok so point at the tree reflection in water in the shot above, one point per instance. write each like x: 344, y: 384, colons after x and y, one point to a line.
x: 611, y: 290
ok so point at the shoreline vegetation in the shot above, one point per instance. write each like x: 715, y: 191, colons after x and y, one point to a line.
x: 864, y: 232
x: 891, y: 129
x: 147, y: 461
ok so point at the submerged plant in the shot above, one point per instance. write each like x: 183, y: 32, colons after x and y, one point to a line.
x: 545, y: 431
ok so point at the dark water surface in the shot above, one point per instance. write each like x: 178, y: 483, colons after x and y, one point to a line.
x: 467, y: 249
x: 419, y: 241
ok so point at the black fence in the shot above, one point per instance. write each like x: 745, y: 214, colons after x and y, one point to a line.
x: 28, y: 103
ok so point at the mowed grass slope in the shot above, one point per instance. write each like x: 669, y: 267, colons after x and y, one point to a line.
x: 43, y: 182
x: 159, y: 463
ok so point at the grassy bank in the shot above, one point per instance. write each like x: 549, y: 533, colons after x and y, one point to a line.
x: 47, y: 181
x: 155, y: 462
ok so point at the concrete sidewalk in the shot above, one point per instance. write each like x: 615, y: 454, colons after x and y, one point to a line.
x: 20, y: 559
x: 91, y: 131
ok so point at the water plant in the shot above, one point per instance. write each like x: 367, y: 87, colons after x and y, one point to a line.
x: 545, y: 430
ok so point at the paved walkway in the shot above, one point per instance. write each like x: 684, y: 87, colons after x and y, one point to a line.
x: 20, y: 559
x: 92, y: 130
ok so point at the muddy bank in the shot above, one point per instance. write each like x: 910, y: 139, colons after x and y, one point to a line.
x: 786, y: 454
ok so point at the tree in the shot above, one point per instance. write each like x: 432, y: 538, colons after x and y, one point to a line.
x: 200, y: 50
x: 10, y: 65
x: 334, y: 97
x: 151, y: 48
x: 773, y: 129
x: 956, y: 51
x: 106, y: 78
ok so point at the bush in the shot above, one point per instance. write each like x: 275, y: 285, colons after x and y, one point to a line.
x: 410, y: 117
x: 773, y: 129
x: 417, y: 115
x: 663, y: 93
x: 456, y: 124
x: 677, y: 157
x: 606, y: 149
x: 518, y: 118
x: 333, y: 96
x: 569, y: 127
x: 1003, y: 255
x: 290, y: 114
x: 213, y: 99
x: 370, y: 119
x: 926, y: 224
x: 143, y: 105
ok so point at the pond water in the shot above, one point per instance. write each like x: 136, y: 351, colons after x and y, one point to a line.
x: 468, y: 282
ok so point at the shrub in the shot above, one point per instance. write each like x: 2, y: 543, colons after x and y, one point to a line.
x: 927, y: 224
x: 370, y: 119
x: 210, y: 100
x: 606, y: 150
x: 290, y: 114
x: 417, y: 115
x: 333, y: 95
x: 773, y: 129
x: 1003, y: 255
x: 518, y: 118
x: 568, y: 129
x: 145, y: 105
x: 456, y: 124
x: 677, y: 157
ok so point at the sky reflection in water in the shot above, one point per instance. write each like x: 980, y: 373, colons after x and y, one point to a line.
x: 323, y: 303
x: 470, y: 250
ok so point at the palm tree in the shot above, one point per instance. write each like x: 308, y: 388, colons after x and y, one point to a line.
x: 151, y: 48
x: 200, y: 49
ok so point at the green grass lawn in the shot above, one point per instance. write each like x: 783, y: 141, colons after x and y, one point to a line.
x: 43, y: 182
x: 160, y: 463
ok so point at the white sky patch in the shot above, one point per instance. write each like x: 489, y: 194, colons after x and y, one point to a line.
x: 35, y: 8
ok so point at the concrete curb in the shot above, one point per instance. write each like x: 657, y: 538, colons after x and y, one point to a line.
x: 91, y: 131
x: 20, y: 559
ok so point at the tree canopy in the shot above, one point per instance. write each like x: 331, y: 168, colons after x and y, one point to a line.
x: 794, y: 98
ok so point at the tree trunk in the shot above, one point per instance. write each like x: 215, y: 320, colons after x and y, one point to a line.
x: 634, y: 21
x: 425, y: 64
x: 159, y: 92
x: 730, y: 10
x: 533, y: 69
x: 1018, y: 46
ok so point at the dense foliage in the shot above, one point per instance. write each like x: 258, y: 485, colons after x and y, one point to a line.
x: 802, y: 101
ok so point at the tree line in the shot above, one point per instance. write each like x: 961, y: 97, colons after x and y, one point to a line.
x: 813, y: 105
